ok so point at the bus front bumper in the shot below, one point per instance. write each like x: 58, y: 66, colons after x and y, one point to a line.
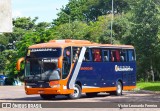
x: 30, y: 91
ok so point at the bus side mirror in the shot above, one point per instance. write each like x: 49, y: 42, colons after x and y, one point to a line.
x: 18, y: 65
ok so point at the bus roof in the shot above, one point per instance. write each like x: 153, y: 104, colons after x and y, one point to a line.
x: 71, y: 42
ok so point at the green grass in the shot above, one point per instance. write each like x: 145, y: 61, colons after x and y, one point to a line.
x: 151, y: 86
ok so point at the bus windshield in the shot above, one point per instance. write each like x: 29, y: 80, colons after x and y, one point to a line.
x: 41, y: 64
x: 39, y: 69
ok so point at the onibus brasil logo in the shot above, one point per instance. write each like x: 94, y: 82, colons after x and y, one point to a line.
x: 123, y: 68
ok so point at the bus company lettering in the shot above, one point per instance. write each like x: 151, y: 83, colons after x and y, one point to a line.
x: 43, y: 49
x: 123, y: 68
x: 86, y: 68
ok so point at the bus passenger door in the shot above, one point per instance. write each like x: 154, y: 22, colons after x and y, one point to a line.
x: 66, y: 62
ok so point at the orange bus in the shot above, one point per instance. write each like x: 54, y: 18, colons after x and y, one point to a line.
x: 72, y: 67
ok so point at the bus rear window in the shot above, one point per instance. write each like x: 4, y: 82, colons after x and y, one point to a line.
x: 131, y: 56
x: 44, y: 52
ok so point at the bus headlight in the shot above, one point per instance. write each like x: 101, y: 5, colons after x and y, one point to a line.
x: 55, y: 86
x: 28, y: 86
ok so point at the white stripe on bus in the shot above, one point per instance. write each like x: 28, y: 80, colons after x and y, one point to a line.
x: 90, y: 87
x: 77, y: 68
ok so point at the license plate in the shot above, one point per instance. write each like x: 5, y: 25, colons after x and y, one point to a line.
x: 40, y: 92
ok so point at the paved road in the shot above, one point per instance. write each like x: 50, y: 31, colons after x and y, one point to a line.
x: 17, y: 94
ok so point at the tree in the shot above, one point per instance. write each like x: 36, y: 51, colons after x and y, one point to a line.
x: 145, y: 35
x: 2, y: 62
x: 89, y: 10
x: 25, y: 33
x: 74, y: 30
x: 100, y: 30
x: 122, y: 26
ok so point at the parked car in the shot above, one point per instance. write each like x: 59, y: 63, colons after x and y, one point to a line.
x: 2, y: 80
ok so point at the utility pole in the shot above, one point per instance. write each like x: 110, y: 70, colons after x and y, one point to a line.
x: 69, y: 25
x: 112, y: 23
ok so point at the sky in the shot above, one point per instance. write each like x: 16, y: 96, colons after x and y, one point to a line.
x: 45, y: 10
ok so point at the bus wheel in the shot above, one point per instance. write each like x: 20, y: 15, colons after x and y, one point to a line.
x: 118, y: 91
x: 47, y: 96
x: 91, y: 94
x: 119, y: 88
x: 77, y: 92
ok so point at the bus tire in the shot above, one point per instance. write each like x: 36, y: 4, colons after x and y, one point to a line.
x: 47, y: 96
x: 77, y: 92
x: 119, y: 88
x: 92, y: 94
x: 118, y: 91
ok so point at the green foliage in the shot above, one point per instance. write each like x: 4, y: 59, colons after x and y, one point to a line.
x: 3, y: 41
x: 6, y: 61
x: 2, y: 62
x: 25, y: 33
x: 89, y: 10
x: 74, y: 30
x: 122, y: 28
x: 24, y: 23
x: 145, y: 35
x: 100, y: 30
x: 151, y: 86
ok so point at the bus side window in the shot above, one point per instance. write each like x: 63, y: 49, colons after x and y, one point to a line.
x: 96, y: 54
x: 123, y: 55
x: 115, y: 56
x: 76, y: 52
x: 87, y: 56
x: 105, y: 55
x: 131, y: 56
